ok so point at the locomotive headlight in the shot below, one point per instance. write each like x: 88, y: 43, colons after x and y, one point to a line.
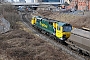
x: 63, y: 38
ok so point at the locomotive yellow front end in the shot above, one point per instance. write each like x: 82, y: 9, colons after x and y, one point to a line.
x: 33, y: 20
x: 63, y: 31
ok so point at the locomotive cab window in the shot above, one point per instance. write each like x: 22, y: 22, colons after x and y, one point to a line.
x: 37, y: 20
x: 67, y: 28
x: 41, y: 20
x: 58, y: 27
x: 34, y: 18
x: 51, y: 23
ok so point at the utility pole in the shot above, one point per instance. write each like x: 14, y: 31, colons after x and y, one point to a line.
x: 87, y: 5
x: 3, y: 11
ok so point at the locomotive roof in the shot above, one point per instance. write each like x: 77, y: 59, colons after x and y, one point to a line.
x: 38, y: 16
x: 51, y: 20
x: 61, y: 23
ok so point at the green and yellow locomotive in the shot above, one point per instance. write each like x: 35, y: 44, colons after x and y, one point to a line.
x: 58, y: 29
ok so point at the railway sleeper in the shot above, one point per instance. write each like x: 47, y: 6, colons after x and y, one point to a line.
x: 86, y: 53
x: 79, y: 50
x: 83, y: 51
x: 74, y: 47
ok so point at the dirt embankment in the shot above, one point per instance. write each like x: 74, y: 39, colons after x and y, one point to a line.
x: 78, y: 21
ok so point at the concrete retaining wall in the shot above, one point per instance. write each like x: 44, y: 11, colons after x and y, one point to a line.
x: 4, y: 25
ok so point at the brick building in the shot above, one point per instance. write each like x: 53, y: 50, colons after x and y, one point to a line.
x: 83, y: 4
x: 80, y: 4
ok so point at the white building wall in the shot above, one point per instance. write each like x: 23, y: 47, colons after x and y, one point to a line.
x: 7, y: 0
x: 67, y: 1
x: 32, y: 1
x: 35, y: 1
x: 29, y: 1
x: 62, y: 1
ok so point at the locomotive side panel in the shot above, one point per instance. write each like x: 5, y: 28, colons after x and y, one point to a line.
x: 44, y: 25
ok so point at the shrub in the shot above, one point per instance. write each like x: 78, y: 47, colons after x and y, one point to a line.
x: 9, y: 13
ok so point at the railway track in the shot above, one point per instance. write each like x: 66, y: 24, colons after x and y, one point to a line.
x: 64, y: 47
